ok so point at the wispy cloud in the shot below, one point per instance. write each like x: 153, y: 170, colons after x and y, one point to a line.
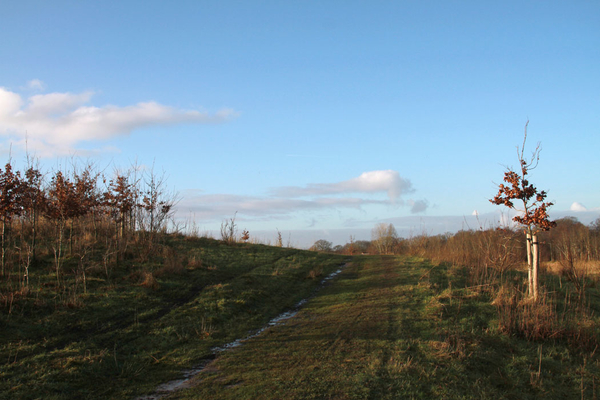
x: 387, y: 181
x: 55, y: 123
x: 418, y: 206
x: 284, y: 201
x: 35, y: 84
x: 218, y: 206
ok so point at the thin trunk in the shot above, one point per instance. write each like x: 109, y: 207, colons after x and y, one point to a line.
x: 536, y: 266
x: 152, y: 216
x: 58, y: 254
x: 123, y: 222
x: 529, y: 265
x: 117, y: 241
x: 94, y: 223
x: 34, y: 233
x: 3, y: 245
x: 71, y: 237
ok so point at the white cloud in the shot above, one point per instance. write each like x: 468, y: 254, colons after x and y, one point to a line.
x: 10, y: 104
x: 387, y: 181
x: 56, y: 123
x: 578, y: 207
x: 54, y: 104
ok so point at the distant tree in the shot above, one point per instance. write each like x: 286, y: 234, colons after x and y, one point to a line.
x: 157, y: 203
x: 322, y: 245
x: 595, y: 226
x: 229, y: 230
x: 595, y: 238
x: 384, y: 237
x: 361, y: 246
x: 350, y: 245
x: 532, y: 208
x: 279, y: 239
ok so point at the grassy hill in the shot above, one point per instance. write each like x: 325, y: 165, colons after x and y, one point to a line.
x: 386, y: 327
x: 138, y: 325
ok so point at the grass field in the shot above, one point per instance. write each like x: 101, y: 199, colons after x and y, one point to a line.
x: 386, y: 327
x: 392, y: 328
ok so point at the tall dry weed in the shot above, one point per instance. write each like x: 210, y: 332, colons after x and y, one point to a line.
x: 544, y: 319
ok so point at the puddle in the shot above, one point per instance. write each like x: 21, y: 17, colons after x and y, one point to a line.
x: 177, y: 384
x: 185, y: 381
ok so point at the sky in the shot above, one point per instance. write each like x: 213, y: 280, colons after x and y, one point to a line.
x: 319, y: 119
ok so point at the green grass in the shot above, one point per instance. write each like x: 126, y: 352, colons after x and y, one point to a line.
x: 385, y: 328
x: 393, y: 328
x: 122, y: 339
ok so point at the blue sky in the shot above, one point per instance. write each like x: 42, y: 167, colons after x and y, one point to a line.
x: 319, y: 119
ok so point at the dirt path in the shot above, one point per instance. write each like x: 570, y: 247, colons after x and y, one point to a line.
x: 207, y: 365
x: 342, y: 344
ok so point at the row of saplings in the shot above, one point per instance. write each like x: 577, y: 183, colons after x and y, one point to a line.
x: 65, y: 215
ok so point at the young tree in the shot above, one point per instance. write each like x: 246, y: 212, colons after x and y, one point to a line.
x: 62, y: 206
x: 120, y: 201
x: 245, y: 236
x: 10, y: 202
x: 87, y: 192
x: 532, y: 208
x: 34, y: 201
x: 158, y: 205
x: 229, y: 230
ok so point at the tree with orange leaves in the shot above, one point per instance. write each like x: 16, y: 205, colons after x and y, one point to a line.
x: 532, y: 208
x: 62, y: 205
x: 120, y: 199
x: 11, y: 194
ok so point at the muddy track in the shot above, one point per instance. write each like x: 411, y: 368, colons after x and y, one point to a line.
x: 201, y: 365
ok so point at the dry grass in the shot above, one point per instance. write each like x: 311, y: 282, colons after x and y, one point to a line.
x: 149, y: 281
x: 172, y: 263
x: 194, y: 262
x: 547, y: 318
x: 585, y: 268
x: 315, y: 273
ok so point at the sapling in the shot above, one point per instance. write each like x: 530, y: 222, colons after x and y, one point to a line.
x: 532, y: 208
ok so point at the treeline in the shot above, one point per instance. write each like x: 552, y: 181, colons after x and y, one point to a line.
x: 74, y: 214
x: 567, y: 248
x: 493, y: 263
